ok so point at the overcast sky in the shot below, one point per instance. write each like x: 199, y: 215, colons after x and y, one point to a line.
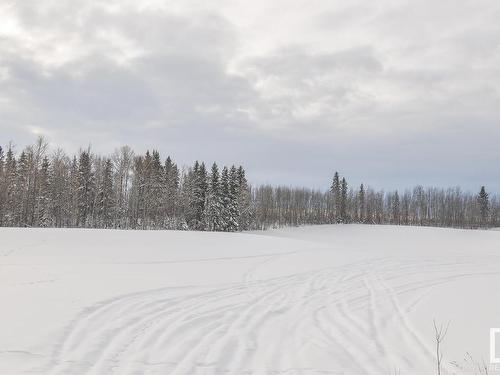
x: 391, y: 93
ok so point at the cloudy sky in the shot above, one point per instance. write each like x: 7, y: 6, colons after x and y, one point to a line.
x: 392, y: 92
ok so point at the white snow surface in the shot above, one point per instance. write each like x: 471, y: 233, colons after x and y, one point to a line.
x: 340, y: 299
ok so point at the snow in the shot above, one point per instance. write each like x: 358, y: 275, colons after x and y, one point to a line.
x: 344, y: 299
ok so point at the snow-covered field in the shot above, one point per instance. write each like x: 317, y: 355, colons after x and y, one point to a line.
x: 344, y: 299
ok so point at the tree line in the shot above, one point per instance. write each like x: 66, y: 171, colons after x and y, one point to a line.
x: 124, y: 190
x: 39, y: 188
x: 452, y: 207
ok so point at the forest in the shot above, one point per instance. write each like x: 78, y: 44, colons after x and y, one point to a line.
x: 40, y: 187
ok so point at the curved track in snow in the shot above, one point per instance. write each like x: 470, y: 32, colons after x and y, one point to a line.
x: 271, y: 326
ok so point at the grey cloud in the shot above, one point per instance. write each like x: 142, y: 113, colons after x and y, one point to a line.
x: 315, y: 88
x: 296, y: 61
x: 390, y: 94
x: 179, y: 80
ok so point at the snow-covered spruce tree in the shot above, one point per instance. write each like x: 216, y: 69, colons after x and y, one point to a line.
x: 233, y: 211
x: 43, y: 199
x: 60, y: 190
x: 72, y: 206
x: 226, y: 200
x: 188, y: 194
x: 361, y: 204
x: 137, y: 194
x: 86, y: 190
x: 199, y: 196
x: 10, y: 175
x: 195, y: 188
x: 343, y: 201
x: 214, y: 207
x: 185, y: 187
x: 335, y: 190
x: 396, y: 209
x: 172, y: 180
x: 22, y: 191
x: 106, y: 197
x: 353, y: 206
x: 157, y: 191
x: 380, y: 211
x: 483, y: 201
x: 147, y: 185
x: 244, y: 201
x: 36, y: 154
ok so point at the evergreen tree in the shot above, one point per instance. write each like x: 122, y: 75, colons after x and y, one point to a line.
x: 483, y: 201
x: 22, y: 191
x: 335, y: 190
x: 244, y: 201
x: 362, y: 203
x: 189, y: 195
x: 137, y: 195
x: 60, y: 190
x: 106, y: 196
x: 226, y: 200
x: 10, y: 176
x: 343, y: 201
x: 74, y: 181
x: 196, y: 188
x: 147, y: 190
x: 86, y: 190
x: 201, y: 191
x: 214, y: 206
x: 43, y: 203
x: 158, y: 190
x: 233, y: 212
x: 396, y: 209
x: 369, y: 206
x: 36, y: 155
x: 172, y: 192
